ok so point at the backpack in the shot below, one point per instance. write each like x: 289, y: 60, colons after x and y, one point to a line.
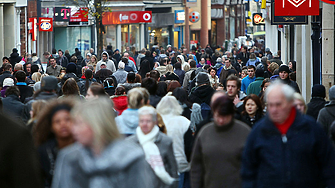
x: 205, y: 110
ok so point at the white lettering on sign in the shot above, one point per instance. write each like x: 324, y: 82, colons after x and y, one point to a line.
x: 123, y: 17
x: 180, y: 16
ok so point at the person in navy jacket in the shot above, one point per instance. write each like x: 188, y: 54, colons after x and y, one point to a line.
x: 287, y: 149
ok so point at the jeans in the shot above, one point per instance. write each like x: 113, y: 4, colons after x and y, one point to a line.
x: 184, y: 180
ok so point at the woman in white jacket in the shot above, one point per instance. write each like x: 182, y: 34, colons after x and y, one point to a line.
x: 176, y: 126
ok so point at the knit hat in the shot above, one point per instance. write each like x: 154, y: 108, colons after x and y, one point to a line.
x: 259, y: 73
x: 319, y: 91
x: 332, y: 93
x: 8, y: 82
x: 267, y: 50
x: 71, y: 68
x: 202, y: 78
x: 49, y: 83
x: 284, y: 68
x: 219, y: 60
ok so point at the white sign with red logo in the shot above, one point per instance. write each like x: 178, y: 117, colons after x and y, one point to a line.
x: 126, y: 17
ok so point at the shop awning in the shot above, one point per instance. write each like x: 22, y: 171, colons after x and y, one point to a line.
x: 259, y: 33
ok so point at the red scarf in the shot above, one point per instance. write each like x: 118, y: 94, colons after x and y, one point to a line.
x: 283, y: 128
x: 83, y: 76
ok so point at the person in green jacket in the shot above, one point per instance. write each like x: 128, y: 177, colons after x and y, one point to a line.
x: 255, y: 86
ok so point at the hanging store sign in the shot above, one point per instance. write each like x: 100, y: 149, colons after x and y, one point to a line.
x: 62, y: 14
x: 179, y: 16
x: 126, y: 17
x: 45, y: 24
x: 32, y: 27
x: 257, y: 19
x: 194, y: 16
x: 286, y: 20
x: 296, y: 7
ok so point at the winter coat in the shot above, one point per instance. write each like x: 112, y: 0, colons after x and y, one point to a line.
x: 82, y: 84
x: 291, y: 83
x: 47, y: 156
x: 183, y: 63
x: 18, y: 159
x: 14, y: 58
x: 187, y: 78
x: 224, y: 73
x: 255, y: 86
x: 181, y: 75
x: 150, y: 59
x: 14, y: 108
x: 246, y: 119
x: 202, y: 94
x: 154, y: 100
x: 304, y: 157
x: 110, y: 90
x: 315, y: 105
x: 127, y: 122
x: 277, y: 60
x: 121, y: 164
x: 121, y: 76
x: 129, y: 86
x: 165, y: 146
x: 327, y: 116
x: 253, y: 62
x: 171, y: 76
x: 120, y: 103
x: 25, y: 91
x: 176, y: 127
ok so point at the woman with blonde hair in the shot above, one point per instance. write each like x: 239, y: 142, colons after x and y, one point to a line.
x: 176, y: 126
x: 299, y: 103
x: 100, y: 158
x: 93, y: 62
x: 127, y: 122
x: 36, y: 76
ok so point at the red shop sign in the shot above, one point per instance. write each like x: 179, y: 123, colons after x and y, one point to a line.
x: 45, y: 24
x: 296, y: 7
x: 80, y: 16
x: 126, y: 17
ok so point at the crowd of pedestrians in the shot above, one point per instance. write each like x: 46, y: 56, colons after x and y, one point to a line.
x: 161, y: 118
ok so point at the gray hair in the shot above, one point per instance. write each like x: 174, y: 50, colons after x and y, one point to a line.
x: 285, y: 89
x: 169, y: 105
x: 121, y: 65
x: 148, y: 110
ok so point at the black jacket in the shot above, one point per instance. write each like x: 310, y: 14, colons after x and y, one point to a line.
x: 12, y: 106
x: 246, y: 119
x: 18, y: 160
x: 291, y: 83
x: 202, y: 94
x: 48, y: 155
x: 14, y: 58
x: 25, y: 92
x: 315, y: 105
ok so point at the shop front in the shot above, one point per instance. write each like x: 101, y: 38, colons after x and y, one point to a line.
x: 125, y: 29
x: 160, y: 30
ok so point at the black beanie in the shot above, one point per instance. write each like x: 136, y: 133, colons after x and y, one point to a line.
x: 259, y: 73
x: 284, y: 68
x: 319, y: 91
x: 71, y: 68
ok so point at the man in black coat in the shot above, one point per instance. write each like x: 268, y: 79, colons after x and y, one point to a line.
x: 244, y: 55
x: 284, y: 72
x: 18, y: 160
x: 14, y: 57
x: 203, y: 92
x: 317, y: 101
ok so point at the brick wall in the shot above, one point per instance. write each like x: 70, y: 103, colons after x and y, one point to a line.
x: 32, y: 9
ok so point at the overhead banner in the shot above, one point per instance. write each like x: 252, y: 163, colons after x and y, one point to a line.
x: 296, y: 7
x: 126, y: 17
x: 80, y: 16
x: 62, y: 14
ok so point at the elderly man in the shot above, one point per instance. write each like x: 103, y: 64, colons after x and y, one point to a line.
x: 130, y: 61
x: 286, y: 148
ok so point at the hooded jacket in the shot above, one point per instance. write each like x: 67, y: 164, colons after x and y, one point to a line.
x: 202, y: 94
x: 121, y: 164
x: 183, y: 63
x: 128, y: 121
x: 14, y: 58
x: 327, y: 116
x: 110, y: 64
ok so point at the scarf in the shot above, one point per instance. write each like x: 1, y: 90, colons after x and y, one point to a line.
x: 152, y: 154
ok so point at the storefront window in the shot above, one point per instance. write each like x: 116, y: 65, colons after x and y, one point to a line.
x: 134, y: 36
x: 232, y: 27
x: 75, y: 37
x: 213, y: 32
x: 159, y: 36
x: 227, y: 27
x: 109, y: 38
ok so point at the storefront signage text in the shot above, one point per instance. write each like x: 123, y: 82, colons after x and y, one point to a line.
x: 126, y: 17
x: 45, y: 24
x: 80, y: 16
x: 179, y: 16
